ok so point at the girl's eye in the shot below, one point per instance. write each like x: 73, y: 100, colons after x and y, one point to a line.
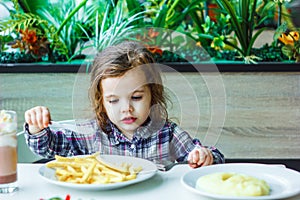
x: 113, y: 101
x: 136, y: 98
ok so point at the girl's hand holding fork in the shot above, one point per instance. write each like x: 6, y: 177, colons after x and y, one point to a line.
x: 37, y: 119
x: 200, y: 156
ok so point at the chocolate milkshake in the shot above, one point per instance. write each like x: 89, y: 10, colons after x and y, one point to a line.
x: 8, y: 151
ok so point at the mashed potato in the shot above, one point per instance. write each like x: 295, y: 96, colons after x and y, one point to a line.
x: 233, y: 184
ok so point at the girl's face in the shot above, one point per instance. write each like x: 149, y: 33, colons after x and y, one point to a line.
x: 127, y: 100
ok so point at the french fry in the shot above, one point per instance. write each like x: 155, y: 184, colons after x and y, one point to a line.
x: 91, y: 170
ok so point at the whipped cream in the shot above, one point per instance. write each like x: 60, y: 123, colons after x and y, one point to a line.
x: 8, y: 122
x: 9, y: 141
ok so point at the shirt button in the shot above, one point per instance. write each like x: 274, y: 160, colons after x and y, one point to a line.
x: 132, y: 146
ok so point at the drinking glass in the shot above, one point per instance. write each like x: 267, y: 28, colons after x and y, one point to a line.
x: 8, y: 151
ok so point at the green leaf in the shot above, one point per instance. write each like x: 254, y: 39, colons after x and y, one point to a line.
x: 55, y: 198
x: 242, y: 19
x: 70, y: 16
x: 218, y: 42
x: 32, y: 6
x: 160, y: 20
x: 288, y: 50
x: 253, y: 39
x: 281, y: 29
x: 206, y: 36
x: 196, y: 14
x: 134, y: 7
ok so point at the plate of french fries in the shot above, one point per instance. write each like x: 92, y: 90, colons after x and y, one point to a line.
x: 97, y: 172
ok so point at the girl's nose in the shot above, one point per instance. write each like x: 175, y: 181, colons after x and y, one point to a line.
x: 126, y: 107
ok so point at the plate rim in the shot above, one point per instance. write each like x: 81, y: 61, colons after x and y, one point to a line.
x: 296, y: 190
x: 140, y: 177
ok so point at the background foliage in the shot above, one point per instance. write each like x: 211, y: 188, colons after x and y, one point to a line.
x: 45, y: 30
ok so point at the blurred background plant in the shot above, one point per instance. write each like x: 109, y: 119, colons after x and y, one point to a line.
x: 183, y: 17
x: 242, y: 17
x: 236, y: 26
x: 289, y: 40
x: 65, y: 18
x: 109, y: 23
x: 67, y: 28
x: 45, y: 36
x: 218, y: 32
x: 23, y: 32
x: 48, y: 30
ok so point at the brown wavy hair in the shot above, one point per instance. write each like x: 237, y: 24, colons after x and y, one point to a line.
x: 115, y: 61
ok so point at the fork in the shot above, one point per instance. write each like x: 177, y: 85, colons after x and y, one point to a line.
x: 70, y: 126
x: 165, y: 165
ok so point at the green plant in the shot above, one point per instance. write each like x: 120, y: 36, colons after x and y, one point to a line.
x: 290, y: 41
x: 275, y: 12
x: 66, y: 20
x: 59, y: 26
x: 243, y: 22
x: 3, y: 41
x: 177, y: 15
x: 27, y: 30
x: 171, y: 14
x: 29, y: 35
x: 32, y: 6
x: 31, y: 43
x: 111, y: 24
x: 218, y: 33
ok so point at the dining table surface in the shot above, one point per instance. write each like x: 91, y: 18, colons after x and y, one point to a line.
x: 163, y: 185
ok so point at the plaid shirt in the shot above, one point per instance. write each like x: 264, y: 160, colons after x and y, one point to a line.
x: 169, y: 143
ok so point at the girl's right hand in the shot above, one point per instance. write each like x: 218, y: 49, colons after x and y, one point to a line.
x: 37, y: 118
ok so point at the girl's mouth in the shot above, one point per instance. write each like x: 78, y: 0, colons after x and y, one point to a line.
x: 129, y: 120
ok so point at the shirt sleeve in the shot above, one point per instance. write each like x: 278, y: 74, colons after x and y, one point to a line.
x: 218, y: 157
x: 182, y: 144
x: 63, y: 142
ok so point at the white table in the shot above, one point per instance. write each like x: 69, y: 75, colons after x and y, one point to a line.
x: 164, y: 185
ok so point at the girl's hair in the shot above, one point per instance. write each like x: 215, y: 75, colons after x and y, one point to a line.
x: 115, y: 61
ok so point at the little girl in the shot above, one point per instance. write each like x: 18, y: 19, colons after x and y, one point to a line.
x: 130, y: 104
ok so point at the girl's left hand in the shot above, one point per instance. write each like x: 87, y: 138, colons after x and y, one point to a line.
x: 200, y: 156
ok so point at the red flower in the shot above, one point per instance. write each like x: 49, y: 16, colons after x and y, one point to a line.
x: 68, y: 197
x: 29, y: 36
x: 149, y: 40
x: 152, y: 33
x: 32, y: 43
x: 155, y: 49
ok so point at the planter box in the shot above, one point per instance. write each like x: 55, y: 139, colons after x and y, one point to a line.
x: 222, y: 66
x: 237, y: 67
x: 40, y: 67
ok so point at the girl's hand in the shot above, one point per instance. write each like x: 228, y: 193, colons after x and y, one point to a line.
x: 37, y: 118
x: 200, y: 156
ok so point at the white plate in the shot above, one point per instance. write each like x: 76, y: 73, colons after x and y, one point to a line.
x: 148, y: 170
x: 283, y: 182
